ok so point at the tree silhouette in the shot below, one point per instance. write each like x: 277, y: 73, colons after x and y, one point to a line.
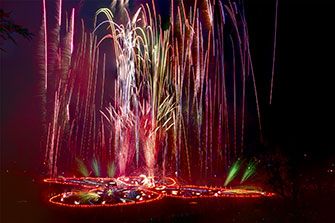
x: 8, y: 28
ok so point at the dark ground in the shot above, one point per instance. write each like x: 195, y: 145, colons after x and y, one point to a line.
x: 23, y: 201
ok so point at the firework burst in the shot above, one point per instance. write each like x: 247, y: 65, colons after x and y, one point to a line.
x: 176, y: 102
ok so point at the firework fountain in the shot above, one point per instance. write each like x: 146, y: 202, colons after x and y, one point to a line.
x: 132, y: 97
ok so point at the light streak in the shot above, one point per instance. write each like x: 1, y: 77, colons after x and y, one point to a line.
x: 274, y: 52
x: 45, y: 46
x: 60, y: 12
x: 72, y: 30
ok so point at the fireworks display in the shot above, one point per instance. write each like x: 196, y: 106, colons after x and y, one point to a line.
x: 131, y: 93
x: 167, y: 111
x: 136, y: 98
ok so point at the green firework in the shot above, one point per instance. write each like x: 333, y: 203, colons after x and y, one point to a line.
x: 88, y: 196
x: 111, y: 169
x: 233, y: 172
x: 96, y: 167
x: 82, y: 168
x: 249, y: 171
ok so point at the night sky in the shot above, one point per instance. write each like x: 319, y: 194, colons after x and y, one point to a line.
x: 300, y: 122
x: 302, y: 115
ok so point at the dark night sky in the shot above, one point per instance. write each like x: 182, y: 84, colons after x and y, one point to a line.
x: 300, y: 119
x: 302, y: 113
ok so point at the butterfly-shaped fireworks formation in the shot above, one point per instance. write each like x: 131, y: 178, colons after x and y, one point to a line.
x: 122, y: 191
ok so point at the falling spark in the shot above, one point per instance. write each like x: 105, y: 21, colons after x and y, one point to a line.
x: 60, y: 12
x: 72, y: 30
x: 45, y: 45
x: 274, y: 52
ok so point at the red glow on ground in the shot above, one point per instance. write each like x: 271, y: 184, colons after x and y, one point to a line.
x: 133, y: 190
